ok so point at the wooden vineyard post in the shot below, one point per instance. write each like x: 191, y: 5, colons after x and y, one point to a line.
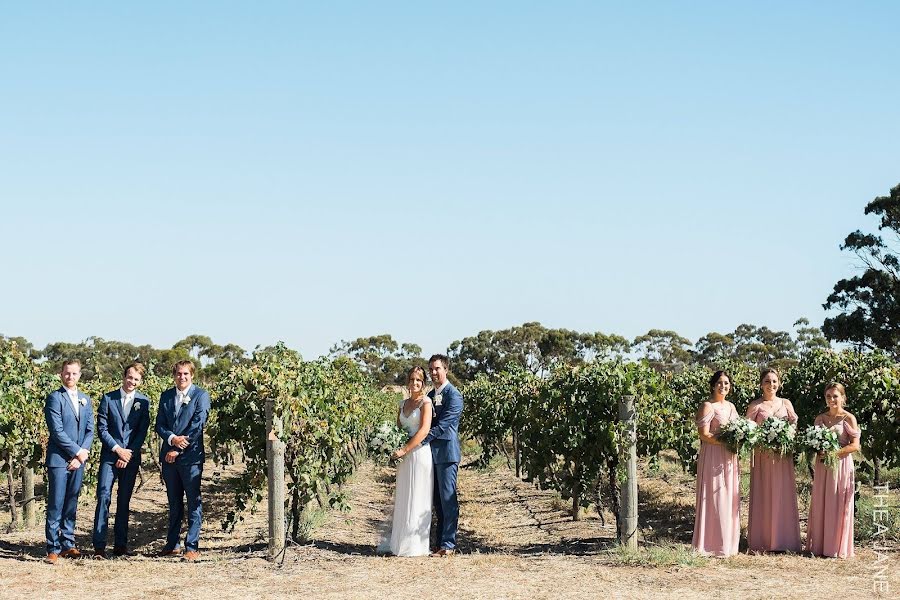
x: 628, y: 512
x: 28, y: 500
x: 275, y: 462
x: 518, y: 452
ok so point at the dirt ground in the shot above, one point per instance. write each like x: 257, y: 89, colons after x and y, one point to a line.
x: 515, y: 541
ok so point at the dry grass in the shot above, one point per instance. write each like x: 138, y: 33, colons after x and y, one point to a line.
x: 516, y: 542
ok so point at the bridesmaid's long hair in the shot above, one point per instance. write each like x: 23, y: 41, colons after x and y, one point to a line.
x: 712, y: 386
x: 715, y: 378
x: 836, y: 385
x: 766, y: 371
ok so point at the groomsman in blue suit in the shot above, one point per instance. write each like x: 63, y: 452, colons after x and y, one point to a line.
x: 444, y: 440
x: 182, y: 415
x: 122, y: 422
x: 70, y: 422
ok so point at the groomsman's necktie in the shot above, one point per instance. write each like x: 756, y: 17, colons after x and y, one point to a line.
x: 127, y: 403
x: 73, y: 396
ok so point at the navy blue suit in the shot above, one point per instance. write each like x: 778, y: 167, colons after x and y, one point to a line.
x: 183, y: 476
x: 115, y: 430
x: 70, y: 432
x: 444, y: 440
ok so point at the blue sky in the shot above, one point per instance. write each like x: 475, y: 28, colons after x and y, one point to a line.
x: 311, y: 172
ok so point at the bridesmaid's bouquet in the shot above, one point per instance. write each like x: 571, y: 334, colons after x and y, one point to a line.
x: 777, y: 435
x: 739, y: 435
x: 822, y: 440
x: 386, y: 438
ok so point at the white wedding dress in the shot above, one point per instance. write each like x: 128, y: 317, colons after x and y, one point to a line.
x: 412, y: 497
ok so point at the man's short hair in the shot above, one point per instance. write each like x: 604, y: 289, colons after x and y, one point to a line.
x: 68, y: 362
x: 183, y: 363
x: 441, y: 357
x: 137, y: 367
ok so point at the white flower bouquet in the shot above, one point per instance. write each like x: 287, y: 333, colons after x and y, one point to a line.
x: 777, y: 435
x: 386, y: 438
x: 739, y: 435
x: 824, y: 441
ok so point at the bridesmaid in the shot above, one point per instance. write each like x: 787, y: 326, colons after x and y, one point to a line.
x: 717, y: 525
x: 830, y: 531
x: 774, y: 523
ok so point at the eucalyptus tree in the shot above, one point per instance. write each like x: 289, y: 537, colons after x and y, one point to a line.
x: 381, y: 357
x: 532, y: 347
x: 868, y: 304
x: 664, y: 349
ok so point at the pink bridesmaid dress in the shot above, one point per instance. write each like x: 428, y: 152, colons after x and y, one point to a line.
x: 774, y: 521
x: 717, y: 525
x: 830, y: 528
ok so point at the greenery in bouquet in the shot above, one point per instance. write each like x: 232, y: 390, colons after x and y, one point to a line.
x: 386, y: 438
x: 824, y: 441
x: 739, y: 435
x: 777, y: 435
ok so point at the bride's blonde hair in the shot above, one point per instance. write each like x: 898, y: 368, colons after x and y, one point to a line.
x: 413, y: 371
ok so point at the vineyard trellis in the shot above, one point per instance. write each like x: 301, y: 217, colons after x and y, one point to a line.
x: 562, y: 431
x: 326, y: 410
x: 566, y: 430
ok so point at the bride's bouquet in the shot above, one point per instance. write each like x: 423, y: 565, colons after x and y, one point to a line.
x: 386, y: 438
x: 777, y: 435
x: 822, y: 440
x: 739, y: 435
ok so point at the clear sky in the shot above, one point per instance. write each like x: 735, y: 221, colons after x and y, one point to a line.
x: 319, y: 171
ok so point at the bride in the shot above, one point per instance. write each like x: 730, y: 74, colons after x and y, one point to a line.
x: 415, y: 478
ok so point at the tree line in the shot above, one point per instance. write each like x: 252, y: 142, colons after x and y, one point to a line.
x: 105, y: 359
x: 539, y: 350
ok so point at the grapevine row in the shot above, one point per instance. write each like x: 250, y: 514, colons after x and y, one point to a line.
x: 566, y: 436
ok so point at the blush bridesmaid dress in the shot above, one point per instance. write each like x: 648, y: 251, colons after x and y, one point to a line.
x: 774, y: 521
x: 830, y: 527
x: 717, y: 524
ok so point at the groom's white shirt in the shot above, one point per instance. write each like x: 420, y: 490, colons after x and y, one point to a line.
x: 437, y: 393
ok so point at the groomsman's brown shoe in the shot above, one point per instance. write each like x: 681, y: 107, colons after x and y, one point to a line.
x: 51, y: 558
x: 70, y: 553
x: 101, y: 554
x: 191, y: 556
x: 121, y: 551
x: 169, y: 552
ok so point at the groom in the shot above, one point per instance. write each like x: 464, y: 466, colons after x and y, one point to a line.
x: 444, y: 441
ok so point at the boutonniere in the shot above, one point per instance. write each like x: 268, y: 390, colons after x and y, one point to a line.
x: 185, y: 399
x: 82, y: 401
x: 438, y: 400
x: 137, y: 406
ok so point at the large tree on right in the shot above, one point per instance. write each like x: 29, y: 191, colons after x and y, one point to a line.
x: 870, y: 302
